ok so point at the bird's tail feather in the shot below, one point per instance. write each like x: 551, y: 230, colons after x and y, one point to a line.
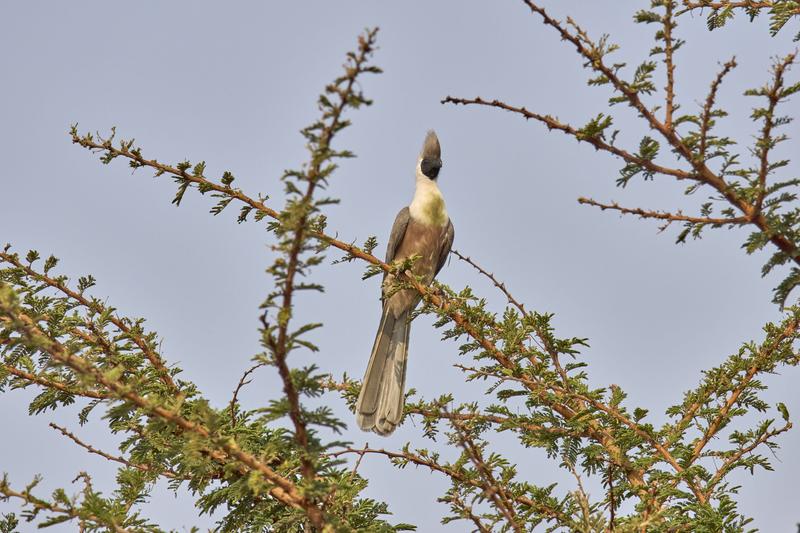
x: 380, y: 403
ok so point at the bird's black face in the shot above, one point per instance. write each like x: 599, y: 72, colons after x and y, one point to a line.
x: 430, y: 167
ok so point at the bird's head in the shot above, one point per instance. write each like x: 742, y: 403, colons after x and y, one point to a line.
x: 430, y: 158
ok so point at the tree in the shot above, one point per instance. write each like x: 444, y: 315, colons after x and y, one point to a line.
x: 275, y: 468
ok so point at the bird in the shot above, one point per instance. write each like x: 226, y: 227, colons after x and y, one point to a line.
x: 424, y: 229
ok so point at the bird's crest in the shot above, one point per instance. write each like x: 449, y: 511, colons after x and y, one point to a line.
x: 431, y: 148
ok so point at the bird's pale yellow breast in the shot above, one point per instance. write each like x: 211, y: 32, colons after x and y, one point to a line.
x: 428, y: 208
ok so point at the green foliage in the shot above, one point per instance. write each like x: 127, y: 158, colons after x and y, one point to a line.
x: 274, y: 468
x: 757, y: 193
x: 595, y: 127
x: 8, y: 523
x: 79, y: 349
x: 648, y: 150
x: 780, y: 12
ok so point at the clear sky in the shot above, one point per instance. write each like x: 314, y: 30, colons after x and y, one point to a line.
x: 232, y: 83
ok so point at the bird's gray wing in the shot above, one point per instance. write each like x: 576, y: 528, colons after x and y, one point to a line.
x: 447, y: 243
x: 398, y: 232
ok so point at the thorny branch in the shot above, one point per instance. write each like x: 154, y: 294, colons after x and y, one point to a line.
x: 242, y: 382
x: 115, y: 458
x: 467, y: 511
x: 708, y: 106
x: 492, y: 489
x: 554, y: 124
x: 733, y: 458
x: 39, y: 504
x: 95, y: 306
x: 282, y: 489
x: 700, y: 172
x: 430, y: 294
x: 669, y: 48
x: 568, y: 403
x: 449, y: 471
x: 663, y: 215
x: 732, y: 399
x: 501, y: 286
x: 301, y: 233
x: 766, y: 141
x: 609, y: 410
x: 51, y: 384
x: 747, y: 4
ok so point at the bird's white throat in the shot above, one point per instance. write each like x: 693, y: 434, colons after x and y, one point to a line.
x: 428, y: 206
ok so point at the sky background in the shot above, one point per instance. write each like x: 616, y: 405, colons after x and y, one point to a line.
x: 232, y: 83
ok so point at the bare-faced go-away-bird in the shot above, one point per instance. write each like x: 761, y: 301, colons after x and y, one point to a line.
x: 422, y: 229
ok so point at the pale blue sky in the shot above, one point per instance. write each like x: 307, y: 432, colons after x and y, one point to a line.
x: 232, y: 83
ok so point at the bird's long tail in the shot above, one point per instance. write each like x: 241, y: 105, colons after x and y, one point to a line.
x: 380, y: 404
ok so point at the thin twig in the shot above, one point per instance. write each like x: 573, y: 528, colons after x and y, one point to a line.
x: 741, y: 4
x: 492, y: 489
x: 451, y: 473
x: 582, y: 497
x: 502, y: 286
x: 765, y: 142
x: 700, y: 171
x: 467, y: 511
x: 42, y: 505
x: 242, y: 382
x: 735, y: 457
x: 554, y: 124
x: 669, y: 25
x: 663, y: 215
x: 509, y: 423
x: 115, y: 458
x: 358, y: 461
x: 612, y: 503
x: 51, y: 384
x: 708, y: 106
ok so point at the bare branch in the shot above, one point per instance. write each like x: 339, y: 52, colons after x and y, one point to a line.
x: 493, y: 419
x: 597, y: 141
x: 664, y: 215
x: 502, y: 286
x: 450, y: 472
x: 242, y: 382
x: 700, y: 172
x: 139, y: 466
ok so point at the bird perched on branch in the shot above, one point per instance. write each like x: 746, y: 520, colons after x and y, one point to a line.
x: 422, y: 229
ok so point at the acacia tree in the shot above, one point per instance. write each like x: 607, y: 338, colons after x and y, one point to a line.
x: 272, y: 469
